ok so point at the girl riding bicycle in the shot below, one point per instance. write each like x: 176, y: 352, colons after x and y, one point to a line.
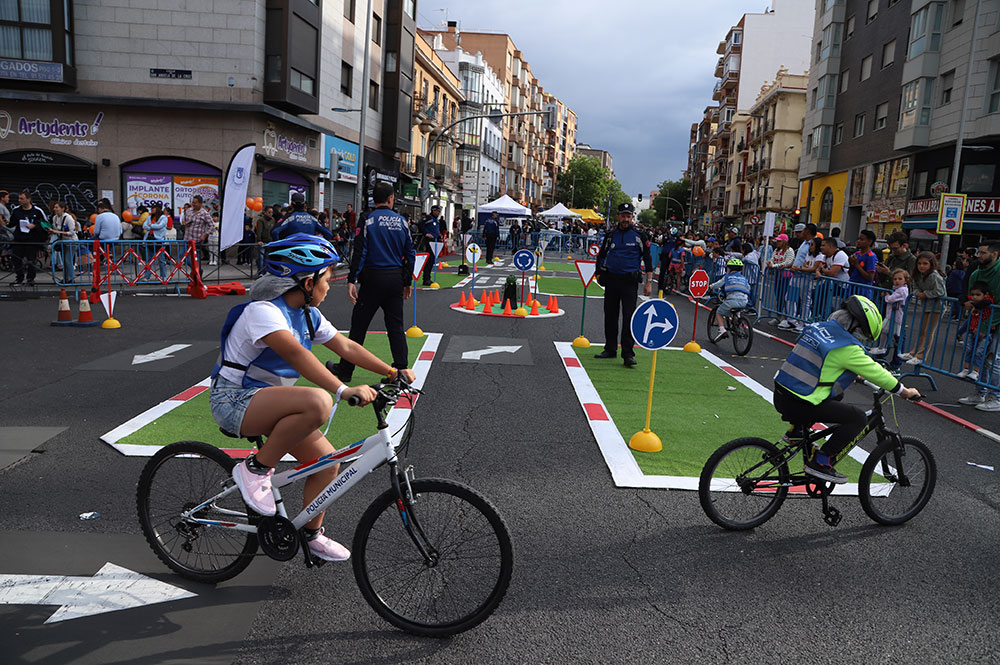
x: 265, y: 347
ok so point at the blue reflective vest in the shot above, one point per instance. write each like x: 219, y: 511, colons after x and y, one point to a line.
x: 624, y: 251
x: 735, y: 282
x: 268, y: 368
x: 801, y: 372
x: 300, y: 221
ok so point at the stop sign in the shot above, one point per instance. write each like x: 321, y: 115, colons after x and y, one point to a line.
x: 699, y: 283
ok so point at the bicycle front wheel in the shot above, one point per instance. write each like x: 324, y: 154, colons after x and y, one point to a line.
x: 462, y: 579
x: 908, y: 474
x: 742, y: 335
x: 710, y: 324
x: 176, y: 479
x: 743, y: 484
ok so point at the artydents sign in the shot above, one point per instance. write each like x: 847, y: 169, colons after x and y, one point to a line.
x: 57, y: 131
x: 274, y: 143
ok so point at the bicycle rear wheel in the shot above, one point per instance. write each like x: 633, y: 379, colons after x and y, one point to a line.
x: 742, y: 335
x: 176, y: 479
x: 910, y: 473
x: 471, y: 559
x: 710, y: 323
x: 739, y: 488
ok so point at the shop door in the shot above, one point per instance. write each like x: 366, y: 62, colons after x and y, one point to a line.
x: 59, y: 177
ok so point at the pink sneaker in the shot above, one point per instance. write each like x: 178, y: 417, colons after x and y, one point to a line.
x: 256, y: 489
x: 328, y: 549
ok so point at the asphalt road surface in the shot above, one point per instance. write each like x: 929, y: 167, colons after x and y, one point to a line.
x: 601, y: 574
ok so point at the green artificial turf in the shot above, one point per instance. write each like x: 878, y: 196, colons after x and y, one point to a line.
x: 445, y: 279
x: 557, y: 266
x: 693, y: 411
x: 193, y: 419
x: 568, y: 286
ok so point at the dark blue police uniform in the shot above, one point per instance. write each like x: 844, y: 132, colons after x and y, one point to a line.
x: 620, y: 263
x: 299, y: 221
x: 491, y: 231
x: 432, y: 226
x: 383, y: 264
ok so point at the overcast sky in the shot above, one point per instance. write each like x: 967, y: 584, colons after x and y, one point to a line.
x: 636, y: 72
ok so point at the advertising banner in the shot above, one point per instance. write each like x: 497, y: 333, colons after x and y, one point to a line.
x: 346, y: 155
x: 145, y: 190
x: 186, y: 187
x: 234, y: 205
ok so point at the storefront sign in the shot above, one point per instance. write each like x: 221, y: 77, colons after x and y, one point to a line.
x: 27, y: 70
x: 340, y: 158
x: 952, y: 214
x: 187, y: 187
x: 275, y: 143
x: 56, y: 131
x: 976, y: 206
x: 146, y: 190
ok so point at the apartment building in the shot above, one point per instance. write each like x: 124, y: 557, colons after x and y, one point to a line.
x: 560, y: 146
x: 91, y: 109
x: 701, y: 164
x: 603, y: 156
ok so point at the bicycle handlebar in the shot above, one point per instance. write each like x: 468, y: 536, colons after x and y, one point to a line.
x: 399, y: 382
x: 879, y: 390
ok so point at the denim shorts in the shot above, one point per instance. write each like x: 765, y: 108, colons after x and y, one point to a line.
x: 229, y: 402
x: 732, y: 302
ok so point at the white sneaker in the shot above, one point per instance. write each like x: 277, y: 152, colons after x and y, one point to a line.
x: 964, y: 373
x: 914, y: 360
x: 799, y: 327
x: 328, y: 549
x: 973, y: 375
x: 974, y: 399
x: 786, y: 325
x: 903, y: 356
x: 722, y: 334
x: 877, y: 351
x: 991, y: 403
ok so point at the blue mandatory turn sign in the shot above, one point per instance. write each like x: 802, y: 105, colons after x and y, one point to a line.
x: 524, y: 260
x: 654, y: 324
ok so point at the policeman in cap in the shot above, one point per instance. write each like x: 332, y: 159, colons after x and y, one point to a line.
x: 620, y: 271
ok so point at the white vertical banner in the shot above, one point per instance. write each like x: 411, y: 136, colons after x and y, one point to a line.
x: 234, y: 196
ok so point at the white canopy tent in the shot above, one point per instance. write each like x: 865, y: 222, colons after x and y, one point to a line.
x: 559, y: 211
x: 505, y: 206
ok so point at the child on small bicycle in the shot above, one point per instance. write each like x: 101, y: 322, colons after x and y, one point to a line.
x: 826, y: 360
x: 734, y: 291
x: 265, y: 347
x: 975, y: 332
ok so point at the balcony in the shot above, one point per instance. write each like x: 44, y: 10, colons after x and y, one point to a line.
x: 717, y: 92
x: 730, y: 78
x: 419, y: 110
x: 741, y: 146
x: 719, y: 66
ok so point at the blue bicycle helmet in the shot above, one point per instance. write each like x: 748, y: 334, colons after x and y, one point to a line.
x: 299, y: 253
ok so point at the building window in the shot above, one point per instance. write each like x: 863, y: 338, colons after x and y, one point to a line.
x: 391, y: 61
x: 410, y: 8
x: 737, y: 38
x: 881, y: 115
x: 826, y: 207
x: 838, y: 134
x: 947, y: 83
x: 349, y: 10
x: 815, y: 96
x: 993, y: 88
x: 925, y: 30
x: 819, y: 50
x: 831, y: 41
x: 373, y: 95
x: 844, y: 77
x: 346, y: 73
x: 866, y: 68
x: 977, y: 178
x: 809, y: 143
x: 29, y: 30
x: 849, y: 32
x: 915, y: 107
x: 859, y: 125
x: 920, y: 184
x: 957, y: 11
x: 888, y: 53
x: 827, y: 92
x: 302, y: 82
x: 872, y: 11
x: 376, y: 29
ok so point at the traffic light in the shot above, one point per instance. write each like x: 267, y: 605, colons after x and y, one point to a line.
x: 796, y: 215
x: 640, y: 198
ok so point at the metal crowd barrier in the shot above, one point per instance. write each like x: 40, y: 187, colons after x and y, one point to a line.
x: 124, y: 263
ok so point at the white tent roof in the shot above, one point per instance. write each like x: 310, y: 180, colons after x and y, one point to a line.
x: 559, y: 211
x: 505, y: 206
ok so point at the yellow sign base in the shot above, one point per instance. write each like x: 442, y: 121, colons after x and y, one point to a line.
x: 110, y: 324
x: 414, y: 332
x: 434, y: 285
x: 581, y: 342
x: 693, y: 347
x: 645, y: 441
x: 520, y: 311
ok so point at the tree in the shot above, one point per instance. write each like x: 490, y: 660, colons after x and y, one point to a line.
x: 649, y: 218
x: 674, y: 189
x: 584, y: 183
x: 617, y: 195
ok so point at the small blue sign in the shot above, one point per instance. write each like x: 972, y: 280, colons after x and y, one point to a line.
x: 29, y: 70
x: 654, y: 324
x: 524, y: 260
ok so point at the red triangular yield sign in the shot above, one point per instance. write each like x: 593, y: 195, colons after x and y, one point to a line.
x: 418, y: 264
x: 587, y: 270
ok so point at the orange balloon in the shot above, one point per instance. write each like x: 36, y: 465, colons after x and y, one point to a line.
x: 127, y: 215
x: 697, y: 250
x: 259, y: 199
x: 258, y: 204
x: 93, y: 218
x: 249, y: 202
x: 819, y: 235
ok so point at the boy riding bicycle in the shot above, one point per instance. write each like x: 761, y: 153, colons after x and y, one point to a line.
x: 826, y: 360
x: 734, y: 291
x: 265, y: 347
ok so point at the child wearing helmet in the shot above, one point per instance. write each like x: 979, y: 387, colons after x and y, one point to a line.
x: 734, y: 290
x: 826, y: 360
x: 265, y: 348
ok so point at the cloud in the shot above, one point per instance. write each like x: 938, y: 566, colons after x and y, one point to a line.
x: 638, y: 73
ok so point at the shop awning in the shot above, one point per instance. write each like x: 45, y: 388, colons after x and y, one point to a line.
x: 587, y: 214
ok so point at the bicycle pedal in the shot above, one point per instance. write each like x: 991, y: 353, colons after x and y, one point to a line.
x: 832, y: 516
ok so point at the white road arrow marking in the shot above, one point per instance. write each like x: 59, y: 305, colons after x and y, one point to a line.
x: 158, y: 355
x: 113, y: 588
x: 489, y: 350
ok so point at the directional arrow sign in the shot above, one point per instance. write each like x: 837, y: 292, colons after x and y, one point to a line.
x: 419, y: 263
x: 158, y: 355
x: 654, y: 324
x: 587, y: 270
x: 113, y: 588
x: 489, y: 350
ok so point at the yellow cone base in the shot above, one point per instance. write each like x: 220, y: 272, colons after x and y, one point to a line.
x: 542, y: 268
x: 645, y: 441
x: 434, y: 285
x: 693, y: 347
x: 414, y: 332
x: 520, y: 311
x: 581, y: 342
x: 111, y: 323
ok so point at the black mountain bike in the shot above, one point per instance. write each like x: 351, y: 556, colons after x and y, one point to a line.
x: 738, y: 326
x: 744, y: 482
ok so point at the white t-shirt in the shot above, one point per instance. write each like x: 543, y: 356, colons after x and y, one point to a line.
x: 258, y: 320
x: 811, y: 261
x: 838, y: 259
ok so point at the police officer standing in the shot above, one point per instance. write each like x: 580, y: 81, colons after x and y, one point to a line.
x: 300, y: 221
x: 491, y: 231
x: 431, y: 233
x: 383, y: 262
x: 619, y: 269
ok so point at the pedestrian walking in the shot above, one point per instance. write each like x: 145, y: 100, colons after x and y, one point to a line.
x: 491, y: 231
x: 198, y: 225
x: 382, y: 263
x: 430, y: 230
x: 623, y: 255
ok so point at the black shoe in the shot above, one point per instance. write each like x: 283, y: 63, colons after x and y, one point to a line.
x: 824, y: 472
x: 630, y: 361
x: 339, y: 372
x: 605, y: 354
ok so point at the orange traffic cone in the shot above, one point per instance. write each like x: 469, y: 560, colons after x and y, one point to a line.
x: 548, y: 305
x: 534, y: 308
x: 470, y: 304
x: 496, y: 295
x: 555, y: 304
x: 488, y: 306
x: 461, y: 299
x: 64, y: 317
x: 485, y: 296
x: 506, y: 308
x: 86, y: 319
